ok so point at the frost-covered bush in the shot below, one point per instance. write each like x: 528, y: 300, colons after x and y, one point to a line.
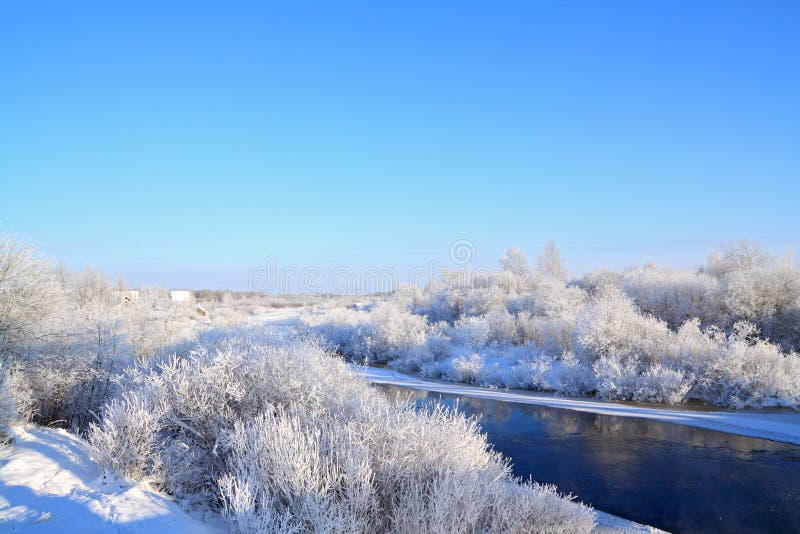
x: 627, y: 378
x: 610, y: 324
x: 742, y: 371
x: 675, y: 296
x: 225, y: 378
x: 502, y: 327
x: 292, y: 474
x: 770, y: 299
x: 470, y: 331
x: 395, y: 331
x: 285, y: 438
x: 515, y: 367
x: 129, y: 436
x: 287, y: 471
x: 30, y: 298
x: 347, y: 330
x: 385, y: 332
x: 548, y: 314
x: 466, y: 368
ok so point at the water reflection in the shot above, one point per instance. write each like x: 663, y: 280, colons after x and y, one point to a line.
x: 675, y: 477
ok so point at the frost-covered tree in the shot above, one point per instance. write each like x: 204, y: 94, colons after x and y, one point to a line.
x: 29, y: 294
x: 515, y: 261
x: 744, y: 255
x: 92, y: 287
x: 551, y: 264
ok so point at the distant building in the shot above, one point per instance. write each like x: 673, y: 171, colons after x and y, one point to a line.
x: 181, y: 296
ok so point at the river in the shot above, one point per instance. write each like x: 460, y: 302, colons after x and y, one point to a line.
x: 674, y: 477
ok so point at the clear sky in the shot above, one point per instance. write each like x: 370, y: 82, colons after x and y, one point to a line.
x: 183, y: 143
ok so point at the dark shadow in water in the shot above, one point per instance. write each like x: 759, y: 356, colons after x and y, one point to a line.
x: 674, y: 477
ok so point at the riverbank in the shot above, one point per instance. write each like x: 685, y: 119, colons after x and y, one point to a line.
x: 782, y: 426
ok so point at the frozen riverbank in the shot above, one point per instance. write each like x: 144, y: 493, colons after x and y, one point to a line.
x: 776, y: 426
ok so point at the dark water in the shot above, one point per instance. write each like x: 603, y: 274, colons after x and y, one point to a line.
x: 673, y: 477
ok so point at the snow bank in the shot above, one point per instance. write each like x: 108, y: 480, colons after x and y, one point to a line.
x: 50, y: 482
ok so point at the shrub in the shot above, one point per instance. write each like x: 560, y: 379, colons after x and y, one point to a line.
x: 675, y: 296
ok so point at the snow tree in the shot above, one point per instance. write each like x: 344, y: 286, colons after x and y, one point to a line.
x: 29, y: 293
x: 515, y: 261
x: 741, y: 256
x: 551, y: 263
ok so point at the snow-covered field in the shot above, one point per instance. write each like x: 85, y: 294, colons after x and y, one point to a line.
x: 784, y: 426
x: 49, y: 482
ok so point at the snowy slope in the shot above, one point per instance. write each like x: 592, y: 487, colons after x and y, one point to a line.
x: 783, y: 427
x: 50, y: 483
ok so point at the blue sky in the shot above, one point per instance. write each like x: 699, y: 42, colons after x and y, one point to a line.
x: 183, y: 143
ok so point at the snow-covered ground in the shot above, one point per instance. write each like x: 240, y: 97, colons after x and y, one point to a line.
x: 49, y: 482
x: 782, y: 426
x: 611, y: 524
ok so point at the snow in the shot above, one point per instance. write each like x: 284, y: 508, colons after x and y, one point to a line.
x: 50, y: 482
x: 611, y: 524
x: 781, y: 426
